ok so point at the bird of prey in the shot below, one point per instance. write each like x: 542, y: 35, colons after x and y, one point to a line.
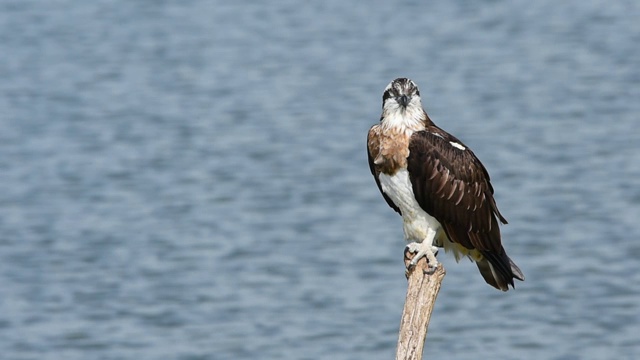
x: 438, y: 186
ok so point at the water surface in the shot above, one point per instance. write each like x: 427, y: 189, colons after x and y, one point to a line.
x: 188, y: 180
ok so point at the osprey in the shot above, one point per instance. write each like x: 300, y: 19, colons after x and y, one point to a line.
x: 438, y: 186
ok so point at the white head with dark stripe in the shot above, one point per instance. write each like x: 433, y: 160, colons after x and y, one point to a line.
x: 401, y: 105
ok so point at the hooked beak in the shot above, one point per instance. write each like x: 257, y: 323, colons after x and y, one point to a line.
x: 403, y: 100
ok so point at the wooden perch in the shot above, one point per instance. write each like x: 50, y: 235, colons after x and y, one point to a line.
x: 421, y: 296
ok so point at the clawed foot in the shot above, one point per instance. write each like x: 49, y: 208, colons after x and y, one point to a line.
x: 423, y: 250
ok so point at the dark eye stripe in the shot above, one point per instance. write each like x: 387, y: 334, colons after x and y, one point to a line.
x: 400, y: 86
x: 387, y: 94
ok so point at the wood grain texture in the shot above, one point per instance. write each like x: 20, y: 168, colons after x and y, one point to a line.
x: 422, y: 291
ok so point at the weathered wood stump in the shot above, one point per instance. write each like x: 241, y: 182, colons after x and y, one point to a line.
x: 422, y: 291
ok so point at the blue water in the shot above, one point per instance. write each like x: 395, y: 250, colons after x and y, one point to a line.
x: 188, y: 180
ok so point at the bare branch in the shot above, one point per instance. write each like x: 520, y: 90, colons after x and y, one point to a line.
x: 422, y: 291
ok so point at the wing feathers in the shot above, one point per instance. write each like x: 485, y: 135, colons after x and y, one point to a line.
x: 461, y: 194
x: 453, y: 186
x: 450, y: 184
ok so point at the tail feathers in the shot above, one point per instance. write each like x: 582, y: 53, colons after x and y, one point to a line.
x: 516, y: 271
x: 499, y: 271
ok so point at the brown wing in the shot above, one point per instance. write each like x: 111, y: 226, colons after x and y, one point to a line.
x: 453, y: 186
x: 373, y: 147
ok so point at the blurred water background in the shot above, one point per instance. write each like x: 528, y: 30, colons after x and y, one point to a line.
x: 188, y: 179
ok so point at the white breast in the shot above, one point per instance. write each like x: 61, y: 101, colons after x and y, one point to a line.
x: 416, y: 221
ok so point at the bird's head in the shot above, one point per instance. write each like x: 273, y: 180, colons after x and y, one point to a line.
x: 401, y: 104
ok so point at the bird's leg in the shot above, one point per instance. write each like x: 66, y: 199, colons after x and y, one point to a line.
x: 425, y: 249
